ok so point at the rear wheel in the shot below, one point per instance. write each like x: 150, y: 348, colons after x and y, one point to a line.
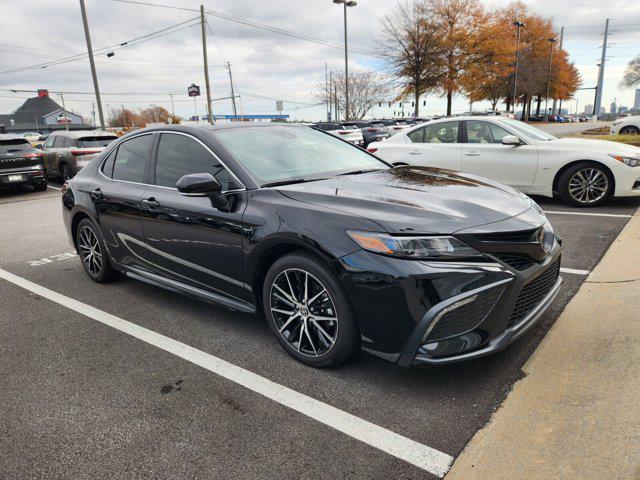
x: 65, y: 172
x: 308, y: 311
x: 40, y: 187
x: 630, y: 130
x: 585, y: 185
x: 93, y: 253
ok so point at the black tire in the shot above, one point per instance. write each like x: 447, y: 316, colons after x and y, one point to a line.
x: 65, y: 172
x: 40, y: 187
x: 630, y: 130
x: 321, y: 351
x: 596, y: 193
x: 105, y: 273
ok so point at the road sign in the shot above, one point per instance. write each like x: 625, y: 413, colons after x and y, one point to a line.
x: 193, y: 90
x: 63, y: 118
x: 279, y: 105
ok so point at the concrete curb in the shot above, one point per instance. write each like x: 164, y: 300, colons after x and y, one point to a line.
x: 576, y: 415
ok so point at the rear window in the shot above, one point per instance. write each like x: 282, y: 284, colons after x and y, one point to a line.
x: 102, y: 141
x: 349, y: 126
x: 15, y: 146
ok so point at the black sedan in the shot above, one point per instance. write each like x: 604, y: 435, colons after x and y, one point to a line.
x: 338, y: 250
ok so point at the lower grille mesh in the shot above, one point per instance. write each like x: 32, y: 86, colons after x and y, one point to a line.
x: 532, y: 294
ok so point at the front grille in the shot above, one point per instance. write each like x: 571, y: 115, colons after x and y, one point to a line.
x: 519, y: 262
x: 18, y: 163
x: 532, y: 293
x: 467, y: 316
x: 522, y: 236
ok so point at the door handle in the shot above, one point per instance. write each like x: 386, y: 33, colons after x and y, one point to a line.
x: 415, y: 152
x: 96, y: 193
x: 150, y: 202
x: 472, y: 154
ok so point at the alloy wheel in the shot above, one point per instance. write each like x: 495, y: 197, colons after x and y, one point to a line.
x: 90, y: 251
x: 304, y: 312
x: 588, y: 185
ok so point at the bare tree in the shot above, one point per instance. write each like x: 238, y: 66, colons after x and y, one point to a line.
x: 411, y: 45
x: 632, y: 73
x: 365, y: 90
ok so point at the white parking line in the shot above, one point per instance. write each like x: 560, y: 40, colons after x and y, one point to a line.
x: 55, y: 188
x: 575, y: 272
x: 587, y: 214
x: 422, y: 456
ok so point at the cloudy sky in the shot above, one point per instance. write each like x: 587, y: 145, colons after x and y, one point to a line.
x: 266, y: 66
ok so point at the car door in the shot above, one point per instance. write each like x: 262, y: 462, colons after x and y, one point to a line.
x: 50, y: 155
x: 189, y: 240
x: 117, y: 200
x: 435, y: 145
x: 484, y: 154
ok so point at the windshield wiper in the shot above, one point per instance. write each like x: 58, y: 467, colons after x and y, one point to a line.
x: 291, y: 181
x: 357, y: 172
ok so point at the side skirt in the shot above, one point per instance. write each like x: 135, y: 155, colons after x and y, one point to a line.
x: 188, y: 290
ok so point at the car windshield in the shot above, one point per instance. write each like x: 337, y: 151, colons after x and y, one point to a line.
x: 101, y: 141
x: 277, y: 154
x: 529, y: 131
x: 14, y: 146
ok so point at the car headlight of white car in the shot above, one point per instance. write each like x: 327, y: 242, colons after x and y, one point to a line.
x: 627, y: 160
x: 617, y: 122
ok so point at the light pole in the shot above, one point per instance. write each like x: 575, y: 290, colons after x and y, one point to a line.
x: 346, y: 3
x: 518, y: 24
x: 546, y: 100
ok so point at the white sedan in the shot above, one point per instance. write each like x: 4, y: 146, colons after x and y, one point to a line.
x: 583, y: 173
x: 626, y: 126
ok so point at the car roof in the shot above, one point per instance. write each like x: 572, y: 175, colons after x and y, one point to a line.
x: 84, y: 133
x: 200, y: 127
x: 12, y: 136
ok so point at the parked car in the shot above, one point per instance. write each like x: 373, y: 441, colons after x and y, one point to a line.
x: 583, y: 172
x: 372, y: 131
x: 348, y: 131
x: 336, y: 249
x: 626, y: 126
x: 20, y: 163
x: 66, y: 152
x: 396, y: 125
x: 31, y: 136
x: 40, y: 141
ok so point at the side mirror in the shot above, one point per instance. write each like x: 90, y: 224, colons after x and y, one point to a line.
x: 202, y: 185
x: 511, y: 140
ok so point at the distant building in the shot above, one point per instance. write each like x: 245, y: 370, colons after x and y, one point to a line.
x: 603, y: 111
x: 623, y: 109
x: 588, y: 109
x: 636, y: 101
x: 40, y: 114
x: 564, y: 111
x: 614, y: 108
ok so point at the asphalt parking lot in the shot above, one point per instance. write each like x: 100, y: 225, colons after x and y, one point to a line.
x: 84, y: 400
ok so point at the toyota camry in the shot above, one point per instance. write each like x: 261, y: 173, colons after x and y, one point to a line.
x: 336, y: 249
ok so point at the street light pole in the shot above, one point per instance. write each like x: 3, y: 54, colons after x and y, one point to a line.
x: 546, y: 100
x: 92, y: 62
x: 345, y: 4
x: 518, y: 24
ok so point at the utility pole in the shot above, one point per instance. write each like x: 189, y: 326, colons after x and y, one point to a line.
x: 518, y: 24
x: 553, y: 108
x: 206, y: 64
x: 124, y: 117
x: 233, y: 95
x: 335, y: 99
x: 66, y: 124
x: 546, y: 100
x: 173, y: 110
x: 93, y: 113
x: 345, y: 4
x: 598, y: 102
x: 330, y: 94
x: 91, y: 62
x: 327, y: 95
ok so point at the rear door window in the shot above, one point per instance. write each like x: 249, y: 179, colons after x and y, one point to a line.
x: 131, y: 159
x: 15, y: 146
x: 444, y: 132
x: 58, y: 141
x: 49, y: 142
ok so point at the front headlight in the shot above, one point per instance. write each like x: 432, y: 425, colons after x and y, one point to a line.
x: 629, y: 161
x: 418, y: 248
x: 618, y: 122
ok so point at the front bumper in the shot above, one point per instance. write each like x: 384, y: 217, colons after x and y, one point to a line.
x: 413, y: 312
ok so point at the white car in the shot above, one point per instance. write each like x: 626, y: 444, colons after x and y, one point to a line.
x: 348, y: 131
x: 583, y: 173
x: 626, y: 126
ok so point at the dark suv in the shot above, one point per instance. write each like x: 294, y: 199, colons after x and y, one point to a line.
x: 20, y: 163
x: 372, y: 131
x: 65, y: 153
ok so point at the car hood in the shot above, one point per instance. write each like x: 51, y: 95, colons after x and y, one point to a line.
x: 415, y: 199
x: 591, y: 145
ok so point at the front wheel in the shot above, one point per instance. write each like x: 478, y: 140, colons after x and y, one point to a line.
x: 308, y: 312
x: 65, y: 172
x: 585, y: 185
x: 630, y: 130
